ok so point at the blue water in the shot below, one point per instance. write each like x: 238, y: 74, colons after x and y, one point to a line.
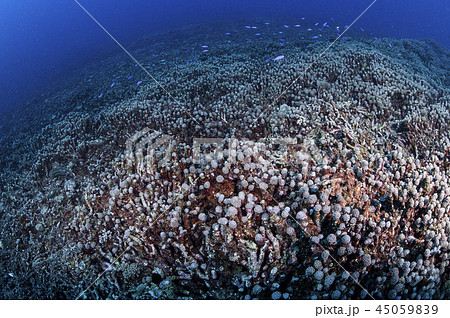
x: 43, y: 41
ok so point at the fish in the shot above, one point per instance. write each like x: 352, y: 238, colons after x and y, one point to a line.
x: 279, y: 57
x: 315, y: 37
x: 130, y: 76
x: 139, y: 83
x: 204, y: 46
x: 114, y: 83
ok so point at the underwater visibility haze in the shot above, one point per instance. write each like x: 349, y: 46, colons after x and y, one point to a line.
x: 225, y: 149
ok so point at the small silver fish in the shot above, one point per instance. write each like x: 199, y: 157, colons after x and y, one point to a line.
x: 279, y: 57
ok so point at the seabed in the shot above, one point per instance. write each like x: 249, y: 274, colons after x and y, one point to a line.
x: 271, y: 171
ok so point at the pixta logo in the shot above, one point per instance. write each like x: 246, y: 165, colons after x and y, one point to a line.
x: 148, y: 149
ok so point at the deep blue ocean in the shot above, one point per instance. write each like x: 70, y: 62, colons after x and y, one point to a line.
x: 42, y: 41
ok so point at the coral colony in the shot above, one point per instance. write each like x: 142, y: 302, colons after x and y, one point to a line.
x: 340, y: 189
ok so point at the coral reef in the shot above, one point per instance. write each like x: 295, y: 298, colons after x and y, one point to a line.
x: 339, y: 189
